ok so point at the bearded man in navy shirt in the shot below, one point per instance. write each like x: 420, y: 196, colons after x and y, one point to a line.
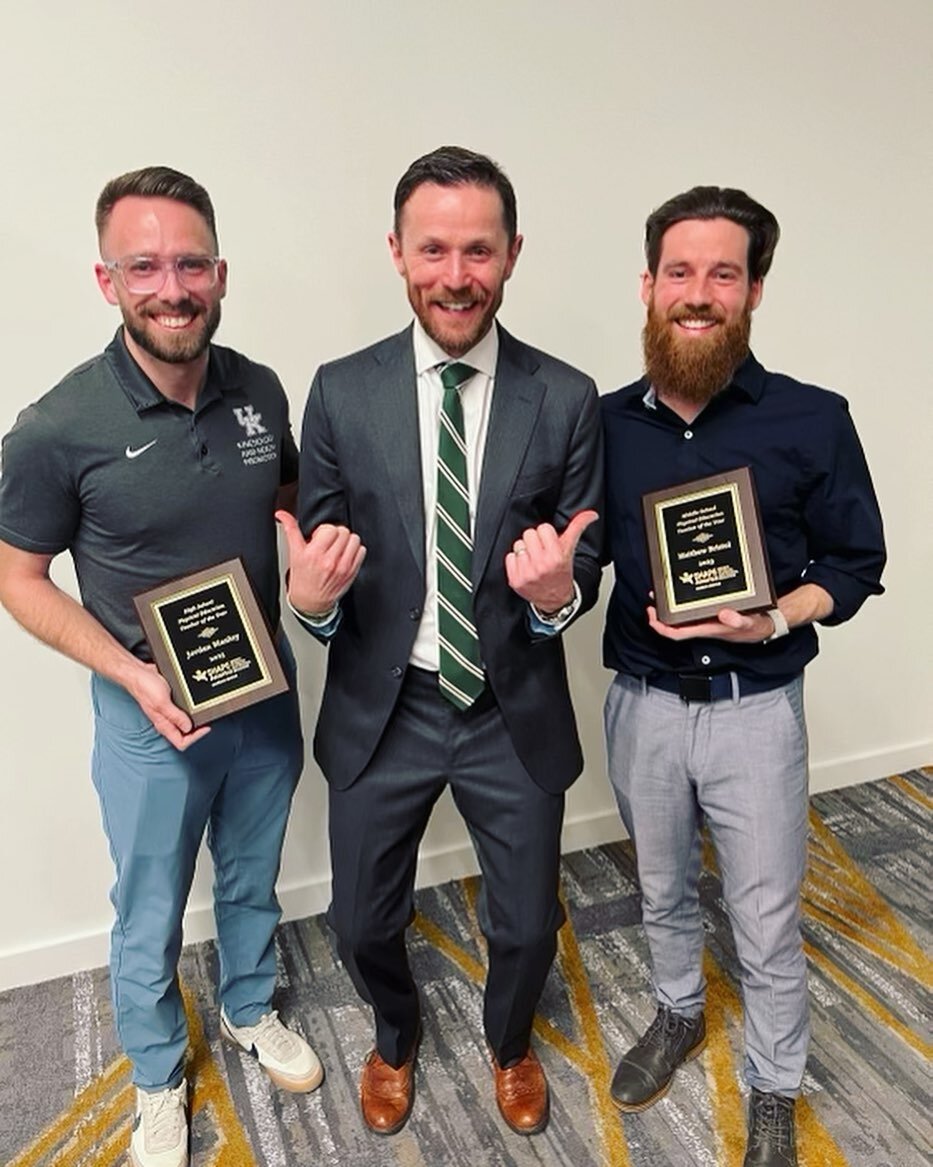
x: 705, y: 721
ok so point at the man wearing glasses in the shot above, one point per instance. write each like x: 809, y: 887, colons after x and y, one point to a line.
x: 163, y: 455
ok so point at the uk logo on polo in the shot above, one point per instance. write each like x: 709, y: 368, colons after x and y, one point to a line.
x: 250, y: 420
x: 257, y: 445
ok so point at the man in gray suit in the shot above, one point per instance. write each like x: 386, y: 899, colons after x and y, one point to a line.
x: 437, y: 468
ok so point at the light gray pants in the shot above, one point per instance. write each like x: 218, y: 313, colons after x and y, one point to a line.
x: 741, y: 765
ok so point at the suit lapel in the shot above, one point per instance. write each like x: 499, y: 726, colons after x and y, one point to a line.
x: 516, y: 402
x: 395, y: 414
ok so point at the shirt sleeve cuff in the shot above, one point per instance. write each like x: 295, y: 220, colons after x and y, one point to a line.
x: 848, y: 594
x: 324, y: 625
x: 549, y: 626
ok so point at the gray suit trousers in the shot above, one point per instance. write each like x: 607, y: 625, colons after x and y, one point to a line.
x: 376, y: 826
x: 740, y: 764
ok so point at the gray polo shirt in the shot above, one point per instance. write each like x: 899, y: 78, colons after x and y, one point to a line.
x: 140, y: 489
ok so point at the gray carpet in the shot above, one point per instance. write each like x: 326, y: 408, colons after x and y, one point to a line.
x: 66, y: 1098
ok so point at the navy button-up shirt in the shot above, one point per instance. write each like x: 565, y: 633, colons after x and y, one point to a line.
x: 820, y: 515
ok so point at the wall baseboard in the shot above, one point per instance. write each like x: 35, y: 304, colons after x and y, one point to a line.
x: 71, y: 954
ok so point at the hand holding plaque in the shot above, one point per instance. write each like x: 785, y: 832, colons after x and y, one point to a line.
x: 706, y: 548
x: 210, y: 641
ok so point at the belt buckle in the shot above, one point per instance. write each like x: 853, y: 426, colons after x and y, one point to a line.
x: 694, y: 688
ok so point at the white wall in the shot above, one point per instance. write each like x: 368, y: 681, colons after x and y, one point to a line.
x: 299, y: 117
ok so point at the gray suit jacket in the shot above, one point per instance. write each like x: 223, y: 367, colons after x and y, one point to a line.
x: 361, y: 467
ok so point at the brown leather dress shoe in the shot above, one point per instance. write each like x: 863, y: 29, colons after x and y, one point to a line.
x: 522, y: 1095
x: 387, y: 1093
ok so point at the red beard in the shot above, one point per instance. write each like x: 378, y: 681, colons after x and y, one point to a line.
x: 693, y: 369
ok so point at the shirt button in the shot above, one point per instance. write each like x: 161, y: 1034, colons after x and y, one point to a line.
x: 414, y: 614
x: 203, y: 451
x: 704, y: 660
x: 396, y: 671
x: 688, y: 434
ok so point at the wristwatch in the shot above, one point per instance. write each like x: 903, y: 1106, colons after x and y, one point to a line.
x: 560, y: 615
x: 780, y: 625
x: 564, y: 612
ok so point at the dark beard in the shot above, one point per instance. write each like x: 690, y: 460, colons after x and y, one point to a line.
x: 180, y: 350
x: 693, y: 370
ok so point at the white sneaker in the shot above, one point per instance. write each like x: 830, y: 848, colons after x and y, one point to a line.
x: 285, y: 1055
x: 160, y: 1132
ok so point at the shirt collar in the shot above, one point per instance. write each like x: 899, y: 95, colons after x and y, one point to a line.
x: 748, y: 380
x: 143, y: 394
x: 133, y: 381
x: 482, y: 356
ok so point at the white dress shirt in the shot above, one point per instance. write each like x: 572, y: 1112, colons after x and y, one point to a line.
x: 476, y: 399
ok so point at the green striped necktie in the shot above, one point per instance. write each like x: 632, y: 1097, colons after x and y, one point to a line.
x: 461, y: 673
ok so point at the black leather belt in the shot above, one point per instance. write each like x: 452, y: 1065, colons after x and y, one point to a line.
x: 705, y: 687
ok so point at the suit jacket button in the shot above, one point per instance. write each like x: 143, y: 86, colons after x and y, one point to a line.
x: 414, y: 613
x: 396, y: 671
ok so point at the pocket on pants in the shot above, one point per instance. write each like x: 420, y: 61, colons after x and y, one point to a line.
x: 793, y: 695
x: 118, y: 710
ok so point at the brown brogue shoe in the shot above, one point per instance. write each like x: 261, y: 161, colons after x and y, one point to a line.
x: 522, y: 1095
x: 386, y: 1093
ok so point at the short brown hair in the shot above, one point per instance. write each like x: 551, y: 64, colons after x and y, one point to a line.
x: 155, y: 182
x: 457, y: 166
x: 717, y: 202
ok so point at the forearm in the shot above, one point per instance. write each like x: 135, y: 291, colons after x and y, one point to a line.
x: 55, y: 618
x: 51, y: 615
x: 805, y: 605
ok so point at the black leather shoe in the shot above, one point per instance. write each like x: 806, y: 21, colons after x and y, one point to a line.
x: 772, y: 1138
x: 644, y: 1074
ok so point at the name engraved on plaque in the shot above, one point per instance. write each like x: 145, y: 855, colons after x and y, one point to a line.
x: 210, y: 640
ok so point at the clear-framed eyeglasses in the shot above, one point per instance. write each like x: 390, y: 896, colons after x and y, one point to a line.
x: 147, y: 273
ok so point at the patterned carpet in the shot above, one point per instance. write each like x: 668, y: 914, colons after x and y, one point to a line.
x: 66, y: 1099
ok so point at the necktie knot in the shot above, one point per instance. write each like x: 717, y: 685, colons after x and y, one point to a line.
x: 455, y: 374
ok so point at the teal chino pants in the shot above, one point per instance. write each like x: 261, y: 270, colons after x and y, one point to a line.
x: 156, y: 803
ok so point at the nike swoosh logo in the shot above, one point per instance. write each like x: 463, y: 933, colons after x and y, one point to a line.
x: 131, y: 453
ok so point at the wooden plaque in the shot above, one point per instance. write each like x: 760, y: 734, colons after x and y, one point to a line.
x: 211, y: 642
x: 707, y: 549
